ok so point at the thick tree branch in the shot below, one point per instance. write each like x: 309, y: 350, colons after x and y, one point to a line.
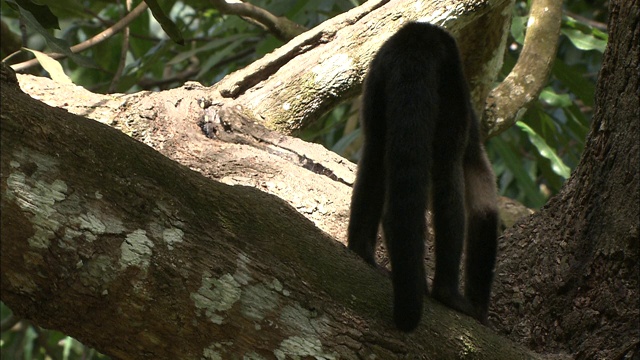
x: 123, y: 288
x: 509, y: 100
x: 104, y: 238
x: 300, y: 81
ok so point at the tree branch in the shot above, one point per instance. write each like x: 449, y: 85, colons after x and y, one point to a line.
x: 313, y: 73
x: 102, y: 36
x: 508, y: 101
x: 281, y: 27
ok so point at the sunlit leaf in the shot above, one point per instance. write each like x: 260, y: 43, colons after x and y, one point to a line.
x: 571, y: 22
x: 552, y: 98
x: 584, y: 41
x: 545, y: 150
x: 52, y: 66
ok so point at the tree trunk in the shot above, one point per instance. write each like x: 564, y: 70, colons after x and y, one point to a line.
x: 570, y: 282
x: 116, y: 245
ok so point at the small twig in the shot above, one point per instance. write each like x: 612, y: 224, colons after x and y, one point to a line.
x: 104, y: 35
x: 123, y: 54
x: 585, y: 20
x: 42, y: 341
x: 281, y: 27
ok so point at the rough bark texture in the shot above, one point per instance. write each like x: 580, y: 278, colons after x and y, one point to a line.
x: 571, y: 280
x: 113, y: 243
x: 310, y: 178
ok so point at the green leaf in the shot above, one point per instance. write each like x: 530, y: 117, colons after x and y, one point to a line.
x: 71, y: 10
x: 41, y: 13
x: 584, y: 41
x: 134, y: 71
x: 516, y: 168
x: 570, y: 22
x: 57, y: 45
x: 577, y: 123
x: 139, y: 44
x: 518, y: 27
x: 573, y: 78
x: 554, y: 99
x: 207, y: 47
x: 66, y: 350
x: 546, y: 151
x: 168, y: 26
x: 217, y: 57
x: 344, y: 142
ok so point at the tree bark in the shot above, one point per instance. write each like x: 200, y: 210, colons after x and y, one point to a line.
x: 104, y: 238
x: 326, y: 65
x: 507, y: 102
x: 570, y: 282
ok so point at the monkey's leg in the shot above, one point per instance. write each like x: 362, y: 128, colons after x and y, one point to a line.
x: 367, y: 201
x: 449, y: 223
x: 482, y: 229
x: 369, y: 188
x: 448, y: 190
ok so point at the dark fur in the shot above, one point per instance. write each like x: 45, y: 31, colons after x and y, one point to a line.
x: 422, y: 144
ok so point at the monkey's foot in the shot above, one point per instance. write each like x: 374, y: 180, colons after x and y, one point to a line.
x: 456, y: 301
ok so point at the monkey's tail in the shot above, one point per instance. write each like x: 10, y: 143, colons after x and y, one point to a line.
x: 411, y: 112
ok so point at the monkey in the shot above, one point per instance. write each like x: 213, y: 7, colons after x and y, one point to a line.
x: 422, y: 146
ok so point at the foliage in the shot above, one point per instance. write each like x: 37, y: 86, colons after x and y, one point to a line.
x: 531, y: 160
x: 24, y: 340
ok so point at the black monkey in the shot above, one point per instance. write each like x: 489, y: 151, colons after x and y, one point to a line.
x: 422, y: 146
